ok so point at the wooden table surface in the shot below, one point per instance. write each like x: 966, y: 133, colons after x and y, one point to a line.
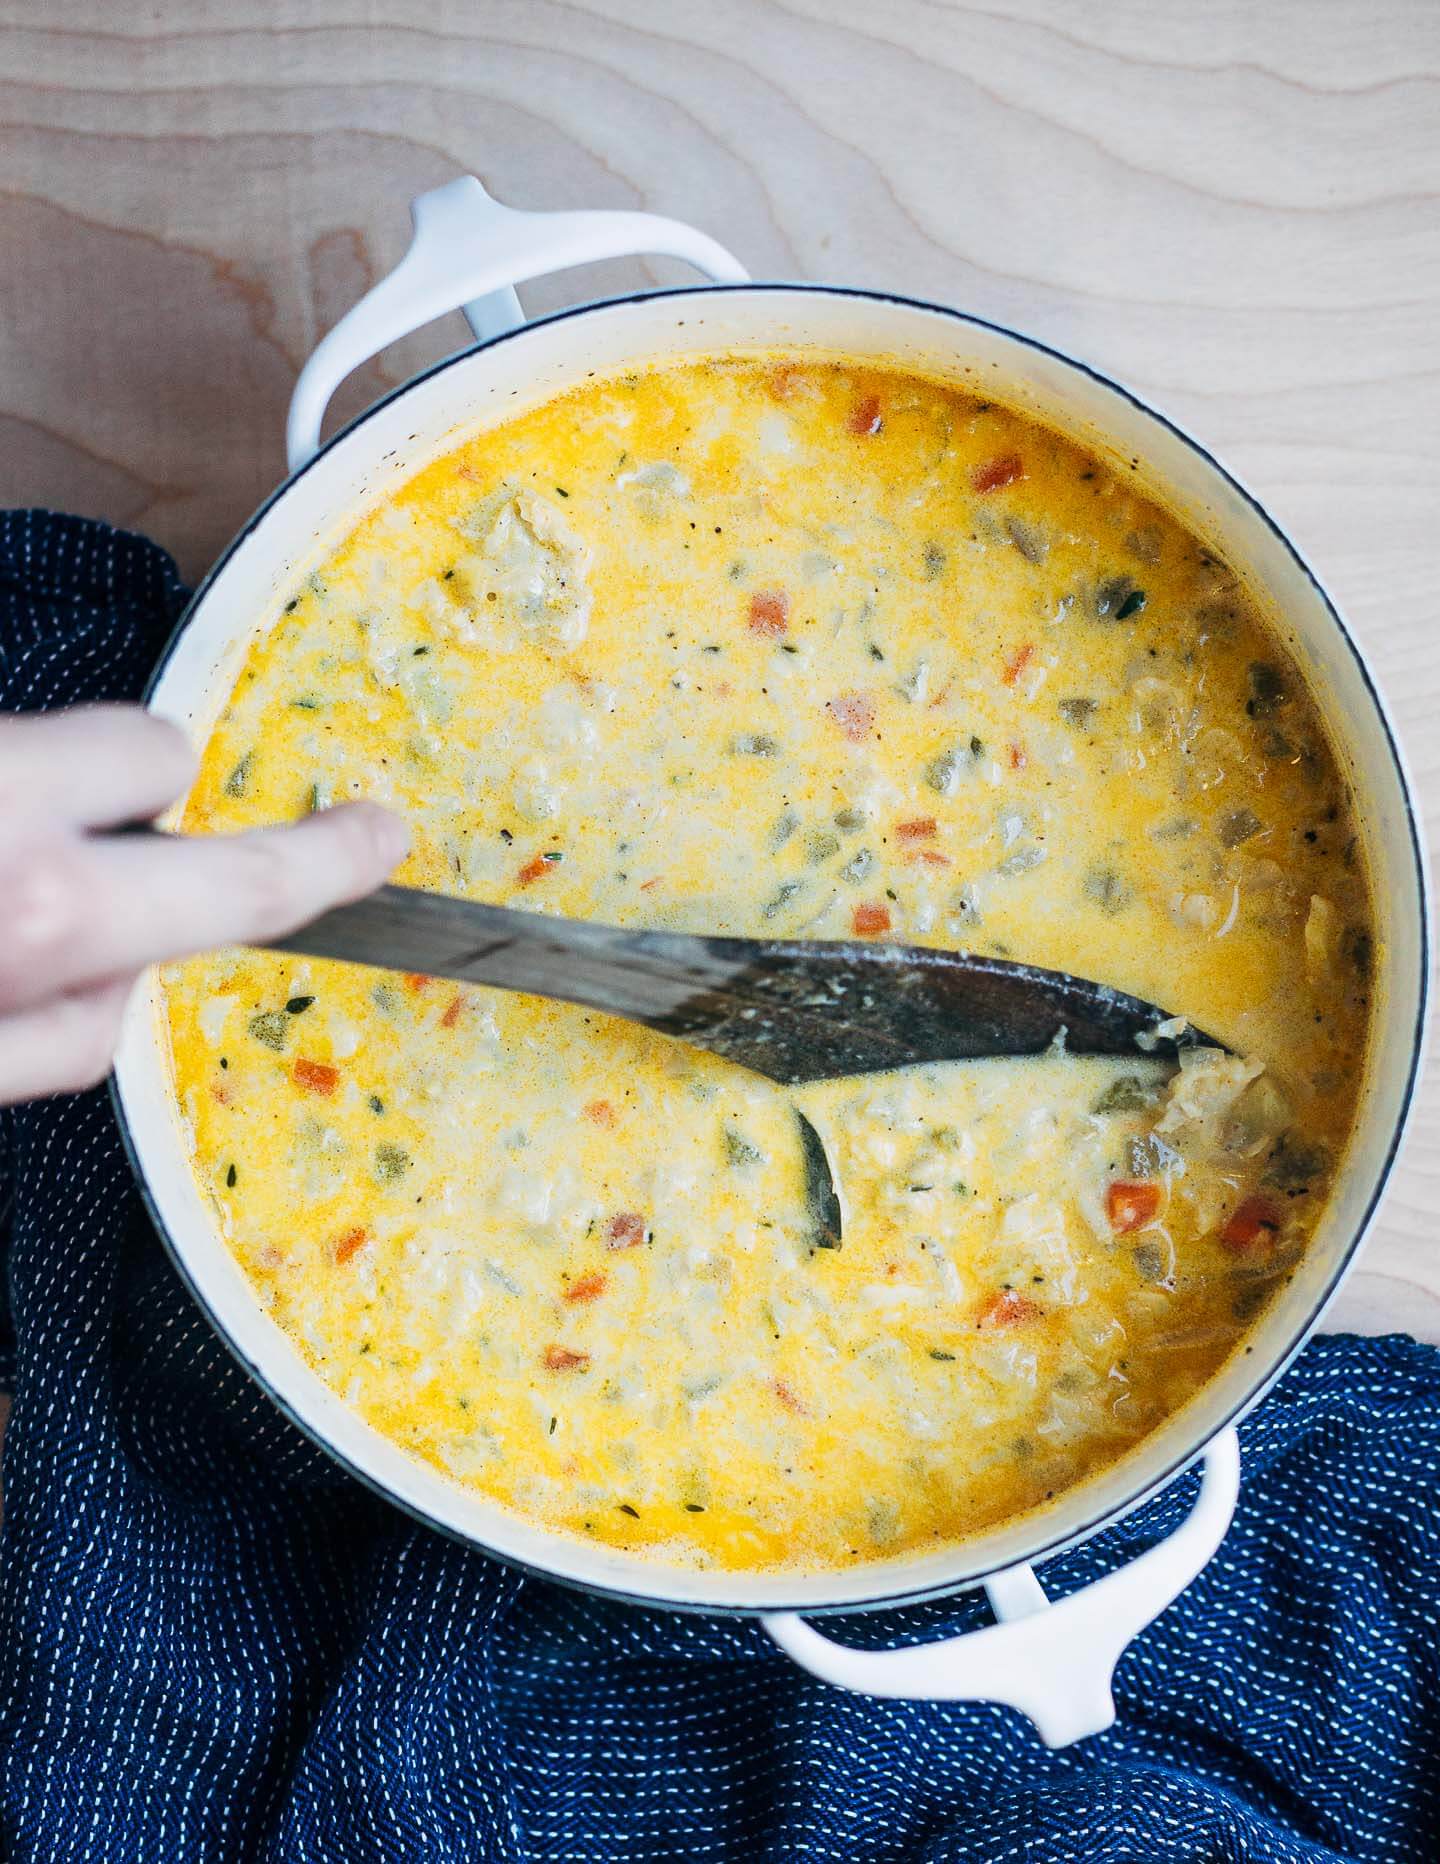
x: 1236, y: 208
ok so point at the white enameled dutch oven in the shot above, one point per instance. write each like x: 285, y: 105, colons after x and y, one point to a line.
x: 1051, y: 1660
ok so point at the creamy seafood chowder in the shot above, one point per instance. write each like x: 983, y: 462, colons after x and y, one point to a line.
x: 769, y: 645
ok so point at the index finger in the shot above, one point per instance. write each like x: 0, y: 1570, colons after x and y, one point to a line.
x: 81, y: 909
x: 93, y: 764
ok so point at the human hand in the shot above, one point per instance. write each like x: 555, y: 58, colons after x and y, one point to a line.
x: 82, y: 914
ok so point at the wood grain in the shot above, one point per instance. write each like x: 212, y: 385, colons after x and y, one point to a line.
x: 1233, y: 207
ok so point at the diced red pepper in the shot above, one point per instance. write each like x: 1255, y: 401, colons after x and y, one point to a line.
x: 854, y: 713
x: 316, y: 1077
x: 417, y: 980
x: 1129, y: 1206
x: 626, y: 1230
x: 1007, y: 1309
x: 1018, y: 662
x: 926, y: 857
x: 351, y: 1243
x: 587, y: 1287
x: 532, y: 870
x: 452, y: 1010
x: 1256, y: 1220
x: 865, y: 417
x: 990, y: 475
x: 1018, y: 759
x: 600, y: 1111
x: 565, y: 1359
x: 869, y: 920
x: 920, y: 829
x: 789, y: 1397
x: 769, y: 612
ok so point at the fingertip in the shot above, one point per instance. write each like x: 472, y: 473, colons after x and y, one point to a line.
x: 172, y: 743
x: 175, y: 734
x: 386, y: 836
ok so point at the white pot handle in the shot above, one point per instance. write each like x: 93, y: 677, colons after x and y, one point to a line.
x: 1053, y: 1662
x: 468, y: 253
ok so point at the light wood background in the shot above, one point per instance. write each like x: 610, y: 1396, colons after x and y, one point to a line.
x: 1235, y: 207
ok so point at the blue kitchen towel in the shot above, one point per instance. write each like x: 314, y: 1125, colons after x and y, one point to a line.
x: 214, y: 1646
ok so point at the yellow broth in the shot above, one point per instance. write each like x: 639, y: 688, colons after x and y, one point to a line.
x: 766, y: 646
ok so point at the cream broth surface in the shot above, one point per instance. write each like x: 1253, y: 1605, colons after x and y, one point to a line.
x: 810, y: 650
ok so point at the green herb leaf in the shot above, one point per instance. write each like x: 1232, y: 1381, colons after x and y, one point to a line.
x: 239, y: 778
x: 1267, y: 690
x: 1129, y: 1094
x: 1296, y: 1165
x: 1237, y: 826
x: 391, y: 1163
x: 270, y: 1028
x: 1114, y: 595
x: 1104, y: 888
x: 1149, y: 1260
x: 739, y: 1150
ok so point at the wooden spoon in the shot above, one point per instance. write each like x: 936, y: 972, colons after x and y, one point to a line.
x: 795, y: 1010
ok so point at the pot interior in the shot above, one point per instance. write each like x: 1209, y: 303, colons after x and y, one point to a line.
x: 393, y: 441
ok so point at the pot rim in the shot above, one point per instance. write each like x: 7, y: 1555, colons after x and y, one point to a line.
x: 1059, y: 1542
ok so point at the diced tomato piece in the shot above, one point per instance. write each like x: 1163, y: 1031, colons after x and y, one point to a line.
x: 920, y: 829
x: 626, y: 1230
x: 854, y: 713
x: 587, y: 1287
x: 1018, y: 759
x: 565, y: 1359
x: 532, y: 870
x: 1256, y: 1220
x: 1007, y: 1309
x: 789, y: 1397
x: 316, y: 1077
x: 600, y: 1111
x: 926, y: 857
x: 1131, y: 1205
x: 351, y: 1243
x: 1018, y: 662
x: 770, y: 612
x: 865, y: 417
x: 417, y: 980
x: 870, y: 919
x: 990, y: 475
x: 452, y: 1011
